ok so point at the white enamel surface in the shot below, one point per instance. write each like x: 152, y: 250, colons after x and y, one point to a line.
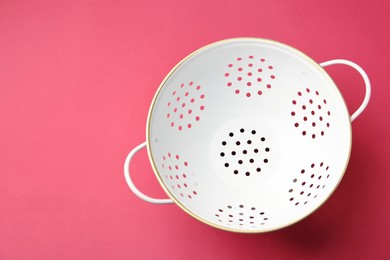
x: 211, y: 191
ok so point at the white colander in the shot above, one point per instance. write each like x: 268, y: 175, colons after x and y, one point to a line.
x: 248, y: 135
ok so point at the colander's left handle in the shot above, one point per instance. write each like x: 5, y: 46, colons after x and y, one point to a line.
x: 131, y: 184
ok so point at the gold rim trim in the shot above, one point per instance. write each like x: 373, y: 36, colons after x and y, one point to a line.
x: 177, y: 202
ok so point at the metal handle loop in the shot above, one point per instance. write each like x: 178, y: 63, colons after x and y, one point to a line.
x: 130, y: 183
x: 365, y: 78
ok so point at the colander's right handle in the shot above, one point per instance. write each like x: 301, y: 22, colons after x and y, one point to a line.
x: 365, y: 78
x: 131, y: 184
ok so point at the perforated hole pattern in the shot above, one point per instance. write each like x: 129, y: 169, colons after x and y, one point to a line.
x: 308, y: 183
x: 186, y: 105
x: 244, y: 152
x: 241, y: 216
x: 310, y: 113
x: 176, y: 175
x: 249, y: 76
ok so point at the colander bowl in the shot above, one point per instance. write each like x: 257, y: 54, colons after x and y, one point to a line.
x: 248, y: 135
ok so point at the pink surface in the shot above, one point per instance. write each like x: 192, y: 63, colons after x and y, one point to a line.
x: 76, y: 82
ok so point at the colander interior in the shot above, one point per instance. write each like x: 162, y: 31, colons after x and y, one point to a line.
x: 249, y: 135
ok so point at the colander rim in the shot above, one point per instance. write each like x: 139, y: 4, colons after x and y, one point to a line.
x: 159, y: 178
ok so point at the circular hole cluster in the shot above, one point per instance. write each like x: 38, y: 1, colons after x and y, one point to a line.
x: 310, y: 113
x: 241, y: 217
x: 308, y: 183
x: 244, y: 152
x: 249, y: 75
x: 176, y: 173
x: 185, y: 106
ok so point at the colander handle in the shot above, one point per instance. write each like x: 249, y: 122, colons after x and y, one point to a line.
x: 131, y: 184
x: 365, y: 78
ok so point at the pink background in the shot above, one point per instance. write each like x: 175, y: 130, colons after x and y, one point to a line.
x: 76, y: 82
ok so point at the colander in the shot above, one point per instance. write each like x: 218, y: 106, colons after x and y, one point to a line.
x: 248, y: 135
